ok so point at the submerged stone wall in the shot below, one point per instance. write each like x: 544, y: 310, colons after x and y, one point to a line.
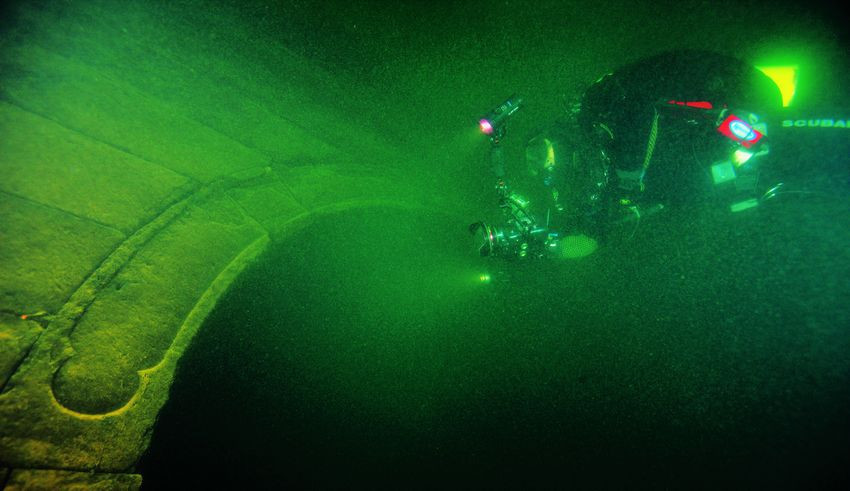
x: 144, y: 164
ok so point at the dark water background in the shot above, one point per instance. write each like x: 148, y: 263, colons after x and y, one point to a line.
x: 710, y: 351
x: 364, y: 349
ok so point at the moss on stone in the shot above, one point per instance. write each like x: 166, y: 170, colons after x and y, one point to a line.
x: 110, y: 117
x: 45, y: 254
x: 134, y: 318
x: 57, y: 479
x: 46, y: 162
x: 16, y: 338
x: 102, y: 106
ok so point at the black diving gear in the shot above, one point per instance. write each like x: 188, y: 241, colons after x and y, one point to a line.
x: 656, y: 133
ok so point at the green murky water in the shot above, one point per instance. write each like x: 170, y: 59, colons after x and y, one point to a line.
x: 365, y: 349
x: 707, y: 351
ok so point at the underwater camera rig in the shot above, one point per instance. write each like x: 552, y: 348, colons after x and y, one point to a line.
x: 520, y: 236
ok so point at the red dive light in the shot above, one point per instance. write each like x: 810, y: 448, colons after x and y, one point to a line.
x: 738, y: 130
x: 494, y: 121
x: 486, y: 127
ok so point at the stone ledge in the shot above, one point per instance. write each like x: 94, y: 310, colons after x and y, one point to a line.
x: 135, y: 316
x: 87, y: 395
x: 47, y: 163
x: 51, y: 479
x: 46, y: 253
x: 16, y: 339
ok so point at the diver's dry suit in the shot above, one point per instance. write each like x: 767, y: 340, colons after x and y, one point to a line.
x: 648, y: 133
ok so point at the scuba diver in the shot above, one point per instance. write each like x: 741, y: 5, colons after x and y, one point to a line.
x: 672, y: 130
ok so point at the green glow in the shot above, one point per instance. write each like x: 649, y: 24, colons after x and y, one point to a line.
x: 743, y: 205
x: 485, y: 278
x: 785, y: 78
x: 577, y: 246
x: 740, y: 157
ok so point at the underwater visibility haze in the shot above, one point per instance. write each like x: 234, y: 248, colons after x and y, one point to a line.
x: 275, y: 205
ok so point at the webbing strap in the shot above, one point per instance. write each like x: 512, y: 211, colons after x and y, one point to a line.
x: 650, y: 145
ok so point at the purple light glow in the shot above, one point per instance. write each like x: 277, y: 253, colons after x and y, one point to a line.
x: 486, y: 127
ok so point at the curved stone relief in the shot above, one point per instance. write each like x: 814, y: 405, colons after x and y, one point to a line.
x: 144, y: 166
